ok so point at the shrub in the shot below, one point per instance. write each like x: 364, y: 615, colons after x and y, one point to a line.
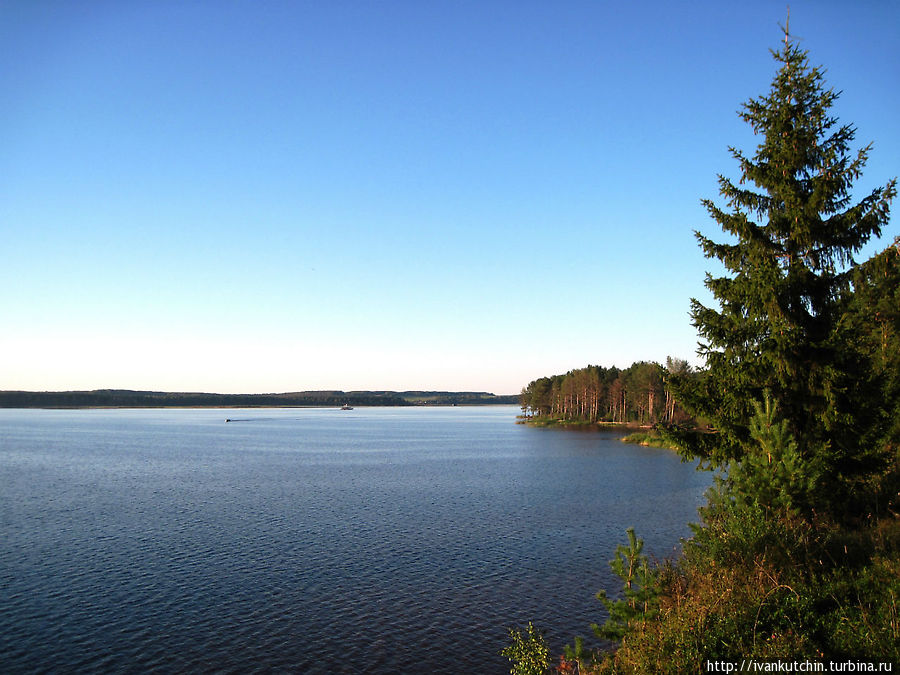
x: 528, y: 652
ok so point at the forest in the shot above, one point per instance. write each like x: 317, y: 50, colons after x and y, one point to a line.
x: 796, y: 555
x: 636, y: 395
x: 124, y: 398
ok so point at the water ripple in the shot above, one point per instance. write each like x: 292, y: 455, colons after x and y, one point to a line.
x: 406, y: 541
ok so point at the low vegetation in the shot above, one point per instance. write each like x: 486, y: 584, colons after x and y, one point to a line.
x: 651, y: 439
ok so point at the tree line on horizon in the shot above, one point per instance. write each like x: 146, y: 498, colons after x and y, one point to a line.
x: 125, y: 398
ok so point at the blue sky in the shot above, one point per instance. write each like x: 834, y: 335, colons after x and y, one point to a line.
x: 278, y: 196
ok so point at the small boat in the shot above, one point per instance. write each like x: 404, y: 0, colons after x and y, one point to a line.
x: 346, y: 406
x: 227, y: 419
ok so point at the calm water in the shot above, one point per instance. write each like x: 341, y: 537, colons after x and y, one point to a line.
x: 379, y: 540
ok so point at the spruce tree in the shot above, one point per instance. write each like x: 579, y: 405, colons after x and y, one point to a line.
x: 872, y: 317
x: 794, y: 230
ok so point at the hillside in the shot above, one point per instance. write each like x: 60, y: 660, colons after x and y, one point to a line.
x: 125, y: 398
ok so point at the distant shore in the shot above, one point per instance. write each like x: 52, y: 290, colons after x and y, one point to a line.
x: 126, y: 398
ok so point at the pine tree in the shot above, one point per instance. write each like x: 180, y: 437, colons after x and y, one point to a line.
x: 773, y: 474
x: 640, y: 596
x: 794, y: 230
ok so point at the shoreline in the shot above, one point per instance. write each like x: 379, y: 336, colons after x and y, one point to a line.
x: 640, y: 434
x: 570, y: 424
x: 250, y: 407
x: 127, y: 398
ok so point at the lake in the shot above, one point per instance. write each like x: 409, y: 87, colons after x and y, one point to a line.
x: 377, y: 540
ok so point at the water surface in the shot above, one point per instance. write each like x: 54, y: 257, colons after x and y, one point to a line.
x: 377, y: 540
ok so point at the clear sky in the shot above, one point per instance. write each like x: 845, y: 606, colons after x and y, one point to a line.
x: 267, y: 196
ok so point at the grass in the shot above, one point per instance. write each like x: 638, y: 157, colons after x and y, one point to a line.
x: 764, y: 584
x: 549, y: 421
x: 650, y: 439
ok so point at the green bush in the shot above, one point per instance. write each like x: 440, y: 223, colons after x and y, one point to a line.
x: 528, y: 653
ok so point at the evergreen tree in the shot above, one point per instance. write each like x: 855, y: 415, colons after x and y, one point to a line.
x: 872, y: 318
x: 639, y: 600
x: 773, y: 474
x: 794, y: 230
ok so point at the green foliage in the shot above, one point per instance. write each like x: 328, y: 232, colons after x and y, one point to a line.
x: 798, y: 552
x: 871, y: 321
x: 633, y: 568
x: 578, y: 654
x: 636, y: 395
x: 650, y: 439
x: 735, y: 530
x: 865, y: 617
x: 639, y: 601
x: 780, y: 325
x: 756, y: 584
x: 772, y: 472
x: 528, y: 653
